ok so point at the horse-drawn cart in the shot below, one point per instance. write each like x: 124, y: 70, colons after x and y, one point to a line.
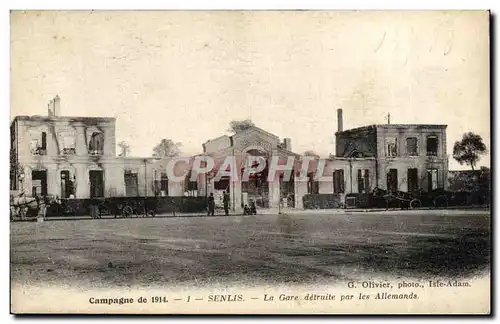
x: 408, y: 200
x: 123, y: 207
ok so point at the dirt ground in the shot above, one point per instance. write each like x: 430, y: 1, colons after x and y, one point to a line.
x: 299, y: 248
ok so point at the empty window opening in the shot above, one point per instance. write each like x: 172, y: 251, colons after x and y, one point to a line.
x: 39, y: 145
x: 411, y: 146
x: 391, y: 145
x: 69, y: 147
x: 96, y: 144
x: 432, y: 145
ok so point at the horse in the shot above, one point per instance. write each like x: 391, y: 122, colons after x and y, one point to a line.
x: 21, y: 205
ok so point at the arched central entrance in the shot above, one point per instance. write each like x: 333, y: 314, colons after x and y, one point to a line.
x: 256, y: 188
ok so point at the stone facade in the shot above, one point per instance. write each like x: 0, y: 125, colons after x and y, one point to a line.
x: 51, y: 150
x: 75, y: 157
x: 407, y: 157
x: 429, y: 159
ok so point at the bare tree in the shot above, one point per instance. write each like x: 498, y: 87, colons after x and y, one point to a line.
x: 238, y: 126
x: 124, y: 148
x: 167, y: 148
x: 469, y: 149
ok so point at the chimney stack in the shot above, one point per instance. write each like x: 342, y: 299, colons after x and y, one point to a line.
x: 57, y: 106
x: 50, y: 108
x: 340, y: 123
x: 54, y: 107
x: 287, y: 143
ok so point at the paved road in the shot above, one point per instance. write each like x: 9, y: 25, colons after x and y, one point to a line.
x: 295, y: 248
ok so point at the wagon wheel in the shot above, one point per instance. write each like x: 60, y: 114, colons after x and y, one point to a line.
x: 150, y: 213
x: 127, y: 211
x: 415, y: 203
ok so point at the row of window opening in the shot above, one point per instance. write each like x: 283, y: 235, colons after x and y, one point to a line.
x: 412, y: 146
x: 95, y: 147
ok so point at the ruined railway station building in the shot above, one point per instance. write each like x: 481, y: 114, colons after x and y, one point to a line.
x: 75, y: 158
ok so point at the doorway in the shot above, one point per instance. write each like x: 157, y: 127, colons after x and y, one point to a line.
x: 96, y: 178
x: 256, y: 189
x: 287, y: 189
x: 66, y: 184
x: 392, y: 180
x: 39, y: 183
x: 131, y: 184
x: 412, y: 180
x: 432, y: 179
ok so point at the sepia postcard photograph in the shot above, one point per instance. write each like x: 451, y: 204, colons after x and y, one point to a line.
x: 279, y: 162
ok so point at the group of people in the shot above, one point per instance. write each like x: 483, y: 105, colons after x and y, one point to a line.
x: 247, y: 210
x: 211, y: 204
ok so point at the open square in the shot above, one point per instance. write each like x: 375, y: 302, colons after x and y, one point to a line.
x: 274, y: 249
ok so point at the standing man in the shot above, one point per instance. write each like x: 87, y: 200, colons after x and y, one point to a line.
x: 211, y: 204
x: 225, y: 200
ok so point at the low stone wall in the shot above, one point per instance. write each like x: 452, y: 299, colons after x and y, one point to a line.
x: 321, y: 201
x: 180, y: 204
x: 114, y: 205
x: 469, y: 198
x: 167, y: 205
x: 365, y: 200
x: 70, y: 207
x: 437, y: 199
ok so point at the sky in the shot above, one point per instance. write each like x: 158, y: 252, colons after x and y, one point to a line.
x: 184, y: 75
